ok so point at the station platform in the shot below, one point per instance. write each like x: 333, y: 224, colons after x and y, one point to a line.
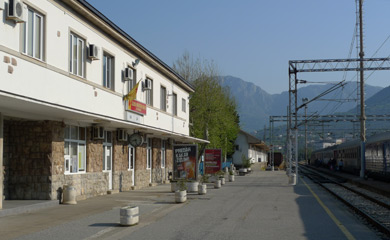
x: 260, y: 205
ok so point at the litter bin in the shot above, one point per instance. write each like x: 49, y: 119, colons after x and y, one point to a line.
x: 69, y: 195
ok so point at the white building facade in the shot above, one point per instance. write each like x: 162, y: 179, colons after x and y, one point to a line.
x: 64, y: 71
x: 248, y: 146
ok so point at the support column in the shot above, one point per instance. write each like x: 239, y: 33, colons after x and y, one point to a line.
x: 1, y: 160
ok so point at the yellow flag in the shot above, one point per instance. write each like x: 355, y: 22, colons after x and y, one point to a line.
x: 132, y: 94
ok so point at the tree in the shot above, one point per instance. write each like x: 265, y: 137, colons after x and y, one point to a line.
x: 213, y: 111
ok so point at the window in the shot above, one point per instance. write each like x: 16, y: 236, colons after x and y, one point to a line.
x: 75, y: 150
x: 163, y: 142
x: 108, y: 71
x: 131, y: 157
x: 183, y: 105
x: 174, y: 104
x: 33, y: 35
x: 148, y: 153
x: 132, y: 82
x: 77, y: 55
x: 149, y: 94
x: 163, y: 98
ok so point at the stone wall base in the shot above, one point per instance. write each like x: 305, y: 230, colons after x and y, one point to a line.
x: 87, y: 184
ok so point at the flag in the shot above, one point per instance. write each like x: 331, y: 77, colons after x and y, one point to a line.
x: 132, y: 94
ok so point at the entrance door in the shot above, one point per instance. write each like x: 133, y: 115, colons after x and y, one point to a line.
x: 131, y: 164
x: 107, y: 156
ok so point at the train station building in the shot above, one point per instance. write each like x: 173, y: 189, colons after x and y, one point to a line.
x: 66, y: 116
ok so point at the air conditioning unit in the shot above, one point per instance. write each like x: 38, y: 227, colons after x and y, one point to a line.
x: 98, y: 132
x: 122, y: 135
x: 93, y: 52
x: 17, y: 11
x: 129, y: 74
x: 147, y: 84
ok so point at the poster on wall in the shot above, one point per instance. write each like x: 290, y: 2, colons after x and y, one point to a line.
x: 212, y: 160
x: 184, y: 161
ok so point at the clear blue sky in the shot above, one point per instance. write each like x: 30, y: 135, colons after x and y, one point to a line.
x: 254, y: 39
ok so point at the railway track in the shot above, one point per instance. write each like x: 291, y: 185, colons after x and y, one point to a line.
x: 372, y: 206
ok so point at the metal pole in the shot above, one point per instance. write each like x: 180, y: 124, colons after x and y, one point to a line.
x: 306, y: 134
x: 270, y: 141
x: 288, y: 144
x: 362, y: 113
x: 296, y: 127
x: 273, y: 147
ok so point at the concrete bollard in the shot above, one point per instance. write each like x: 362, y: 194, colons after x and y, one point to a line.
x: 202, y: 189
x: 173, y: 186
x: 192, y: 186
x: 231, y: 178
x: 129, y: 215
x: 217, y: 184
x: 180, y: 196
x: 292, y: 179
x: 69, y: 195
x: 222, y: 181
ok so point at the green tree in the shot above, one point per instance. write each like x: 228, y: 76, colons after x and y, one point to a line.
x: 213, y: 111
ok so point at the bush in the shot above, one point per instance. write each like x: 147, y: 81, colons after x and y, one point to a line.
x: 182, y: 185
x: 246, y: 162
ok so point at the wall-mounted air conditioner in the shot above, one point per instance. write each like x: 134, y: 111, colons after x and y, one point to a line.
x: 98, y: 132
x: 93, y: 52
x: 17, y: 11
x: 122, y: 135
x: 147, y: 84
x: 129, y: 74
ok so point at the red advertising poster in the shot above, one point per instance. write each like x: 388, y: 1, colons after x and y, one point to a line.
x: 137, y: 107
x: 212, y: 160
x: 184, y: 159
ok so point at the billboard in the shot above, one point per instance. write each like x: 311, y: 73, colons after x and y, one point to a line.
x: 212, y: 160
x: 184, y: 161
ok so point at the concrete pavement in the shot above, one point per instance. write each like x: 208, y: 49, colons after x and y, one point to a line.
x: 257, y: 206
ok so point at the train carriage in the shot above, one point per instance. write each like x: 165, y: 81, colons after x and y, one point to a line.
x: 377, y: 154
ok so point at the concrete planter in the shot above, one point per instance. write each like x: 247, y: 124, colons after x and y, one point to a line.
x: 192, y: 186
x: 217, y: 184
x: 231, y: 178
x: 180, y: 196
x: 243, y: 171
x: 129, y: 215
x: 173, y: 187
x: 222, y: 180
x: 249, y: 170
x: 202, y: 189
x: 69, y: 195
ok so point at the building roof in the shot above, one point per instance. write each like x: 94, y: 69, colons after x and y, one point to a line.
x: 251, y: 139
x: 138, y: 46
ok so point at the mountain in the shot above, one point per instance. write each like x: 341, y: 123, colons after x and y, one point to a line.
x: 256, y: 105
x: 253, y: 102
x: 377, y: 104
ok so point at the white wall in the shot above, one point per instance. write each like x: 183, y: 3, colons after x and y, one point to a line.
x: 242, y: 142
x: 49, y: 80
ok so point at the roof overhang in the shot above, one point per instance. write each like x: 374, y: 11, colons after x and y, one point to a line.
x: 17, y: 106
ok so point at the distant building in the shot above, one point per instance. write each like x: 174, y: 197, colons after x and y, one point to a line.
x: 64, y: 72
x: 251, y: 147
